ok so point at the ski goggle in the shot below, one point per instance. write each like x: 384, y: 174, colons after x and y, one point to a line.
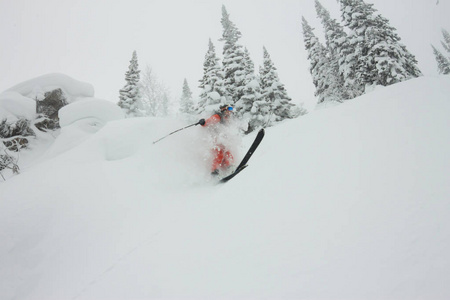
x: 229, y: 108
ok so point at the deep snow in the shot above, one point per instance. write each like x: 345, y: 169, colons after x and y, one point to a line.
x: 348, y: 202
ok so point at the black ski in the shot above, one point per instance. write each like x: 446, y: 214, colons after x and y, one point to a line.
x: 247, y: 156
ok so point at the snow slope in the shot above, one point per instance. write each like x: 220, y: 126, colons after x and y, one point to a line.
x: 349, y: 202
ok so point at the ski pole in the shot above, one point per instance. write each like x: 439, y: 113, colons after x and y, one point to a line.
x: 176, y: 131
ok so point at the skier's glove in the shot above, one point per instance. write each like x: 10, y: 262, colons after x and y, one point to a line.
x: 202, y: 122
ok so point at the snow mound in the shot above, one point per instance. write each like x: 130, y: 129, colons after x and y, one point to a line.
x: 102, y: 110
x: 36, y: 87
x: 80, y: 120
x: 14, y: 106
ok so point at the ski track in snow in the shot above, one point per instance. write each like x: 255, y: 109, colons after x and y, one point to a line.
x: 120, y: 260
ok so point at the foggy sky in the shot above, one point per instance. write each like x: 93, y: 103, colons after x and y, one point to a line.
x: 93, y: 40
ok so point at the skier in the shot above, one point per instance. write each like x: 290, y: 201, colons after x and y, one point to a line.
x: 222, y: 157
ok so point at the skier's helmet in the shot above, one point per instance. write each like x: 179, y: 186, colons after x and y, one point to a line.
x: 226, y: 107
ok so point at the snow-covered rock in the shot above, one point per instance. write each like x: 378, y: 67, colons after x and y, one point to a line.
x: 19, y: 101
x: 80, y: 120
x: 36, y: 87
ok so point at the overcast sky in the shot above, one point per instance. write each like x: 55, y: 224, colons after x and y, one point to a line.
x: 92, y: 40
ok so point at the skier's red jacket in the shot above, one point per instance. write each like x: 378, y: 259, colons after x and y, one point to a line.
x: 214, y: 119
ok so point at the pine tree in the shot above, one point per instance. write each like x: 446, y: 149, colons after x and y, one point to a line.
x: 233, y: 59
x: 446, y: 42
x: 380, y: 57
x: 320, y: 69
x: 442, y: 61
x: 212, y: 83
x: 341, y: 60
x: 249, y: 67
x: 252, y: 106
x: 165, y: 103
x: 274, y: 92
x: 250, y: 91
x: 186, y: 102
x: 129, y: 99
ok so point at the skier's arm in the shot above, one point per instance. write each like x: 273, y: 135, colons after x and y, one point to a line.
x: 214, y: 119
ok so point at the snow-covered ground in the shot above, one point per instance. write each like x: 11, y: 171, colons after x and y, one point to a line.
x: 348, y: 202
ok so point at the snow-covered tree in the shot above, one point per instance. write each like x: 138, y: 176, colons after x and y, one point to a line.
x: 129, y: 99
x: 341, y: 60
x: 8, y: 160
x: 446, y: 42
x: 380, y: 57
x: 212, y: 83
x: 442, y: 61
x: 252, y: 106
x: 155, y: 95
x: 165, y: 107
x: 249, y: 67
x: 251, y: 91
x: 324, y: 76
x: 258, y: 109
x: 186, y: 101
x: 274, y: 92
x: 233, y: 59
